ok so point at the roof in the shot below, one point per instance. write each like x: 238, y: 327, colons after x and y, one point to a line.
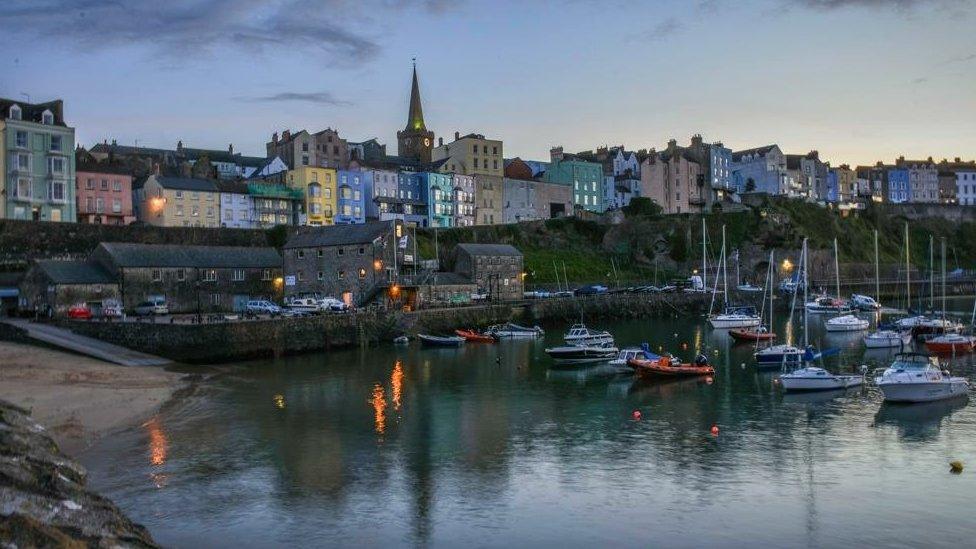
x: 268, y: 190
x: 127, y: 150
x: 489, y: 249
x: 761, y: 151
x: 232, y: 187
x: 187, y: 184
x: 171, y: 255
x: 31, y: 112
x: 415, y: 117
x: 793, y: 161
x: 75, y: 272
x: 338, y: 235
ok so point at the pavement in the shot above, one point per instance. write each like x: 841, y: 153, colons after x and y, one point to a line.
x: 95, y: 348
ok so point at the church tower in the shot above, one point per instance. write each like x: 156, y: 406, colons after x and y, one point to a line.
x: 415, y: 141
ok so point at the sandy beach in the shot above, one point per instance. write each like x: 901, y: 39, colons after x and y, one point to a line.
x: 76, y: 398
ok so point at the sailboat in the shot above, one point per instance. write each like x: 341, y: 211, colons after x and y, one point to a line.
x: 733, y: 316
x: 746, y: 286
x: 762, y: 333
x: 699, y: 284
x: 885, y: 338
x: 863, y: 302
x: 950, y: 343
x: 777, y: 356
x: 825, y: 303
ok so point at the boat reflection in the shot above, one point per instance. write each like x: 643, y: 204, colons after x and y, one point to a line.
x: 583, y: 374
x: 814, y: 397
x: 920, y: 421
x: 378, y: 401
x: 396, y: 385
x: 666, y: 387
x: 158, y: 443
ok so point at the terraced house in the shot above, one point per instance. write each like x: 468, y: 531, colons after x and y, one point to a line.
x: 38, y: 163
x: 177, y: 201
x: 318, y: 185
x: 585, y: 178
x: 351, y: 203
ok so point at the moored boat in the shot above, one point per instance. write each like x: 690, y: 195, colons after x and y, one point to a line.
x: 827, y: 305
x: 735, y: 317
x: 814, y: 378
x: 749, y: 288
x: 440, y: 341
x: 514, y: 331
x: 888, y: 339
x: 579, y: 334
x: 778, y: 355
x: 951, y: 344
x: 847, y: 323
x: 654, y: 366
x: 759, y: 334
x: 626, y: 354
x: 931, y: 326
x: 917, y: 377
x: 473, y: 335
x: 582, y: 354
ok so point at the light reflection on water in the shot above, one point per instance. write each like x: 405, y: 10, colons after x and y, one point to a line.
x: 487, y: 446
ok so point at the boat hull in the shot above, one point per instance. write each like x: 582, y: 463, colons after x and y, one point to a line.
x: 955, y: 347
x: 471, y: 335
x: 847, y: 327
x: 812, y: 383
x: 896, y: 341
x: 924, y: 392
x: 724, y: 324
x: 581, y: 355
x: 751, y: 335
x: 432, y: 341
x: 657, y: 369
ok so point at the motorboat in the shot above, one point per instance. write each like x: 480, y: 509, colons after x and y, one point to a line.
x: 749, y: 288
x: 827, y: 305
x: 847, y: 323
x: 814, y: 378
x: 626, y: 354
x: 917, y: 377
x: 887, y: 339
x: 951, y: 344
x: 514, y: 331
x: 936, y: 326
x: 475, y: 336
x: 583, y: 354
x: 401, y: 340
x: 440, y: 341
x: 778, y: 355
x: 735, y: 317
x: 864, y: 303
x: 759, y: 334
x: 668, y: 366
x: 579, y: 334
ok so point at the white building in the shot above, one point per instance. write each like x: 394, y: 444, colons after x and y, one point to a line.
x: 236, y: 205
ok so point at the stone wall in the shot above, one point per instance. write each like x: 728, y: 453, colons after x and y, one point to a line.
x: 618, y: 306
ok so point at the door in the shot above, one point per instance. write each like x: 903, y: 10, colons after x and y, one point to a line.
x: 240, y: 302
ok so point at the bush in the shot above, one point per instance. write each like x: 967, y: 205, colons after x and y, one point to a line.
x: 642, y: 205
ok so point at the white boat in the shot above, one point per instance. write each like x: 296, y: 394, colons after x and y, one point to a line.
x: 847, y: 323
x: 735, y: 317
x: 626, y: 354
x: 579, y: 334
x: 749, y: 288
x: 911, y: 322
x: 864, y: 303
x: 827, y: 304
x: 514, y: 331
x: 813, y: 378
x: 887, y: 339
x: 778, y: 355
x: 915, y: 377
x: 582, y: 354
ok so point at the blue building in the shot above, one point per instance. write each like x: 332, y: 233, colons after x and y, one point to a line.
x: 411, y: 204
x: 439, y: 192
x: 350, y: 201
x: 760, y: 170
x: 380, y: 189
x: 899, y: 189
x: 833, y: 186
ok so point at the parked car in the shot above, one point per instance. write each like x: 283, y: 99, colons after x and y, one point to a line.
x: 262, y: 307
x: 475, y: 296
x: 591, y: 289
x: 111, y: 309
x: 79, y: 312
x: 332, y: 304
x: 152, y: 307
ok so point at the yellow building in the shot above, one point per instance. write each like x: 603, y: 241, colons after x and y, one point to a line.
x: 177, y: 202
x: 471, y: 154
x: 319, y: 187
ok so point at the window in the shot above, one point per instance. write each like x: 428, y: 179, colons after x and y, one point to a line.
x: 24, y: 162
x: 304, y: 161
x: 210, y: 211
x: 474, y: 149
x: 56, y: 191
x: 319, y: 252
x: 99, y: 205
x: 215, y: 299
x: 47, y: 118
x: 238, y: 275
x: 157, y: 275
x: 56, y: 143
x: 195, y: 211
x: 342, y: 275
x: 89, y: 204
x: 179, y: 210
x: 304, y: 146
x: 181, y: 275
x: 15, y: 112
x: 55, y: 214
x: 117, y: 186
x: 301, y: 254
x: 90, y: 184
x: 362, y: 250
x: 321, y: 275
x: 301, y: 276
x: 494, y: 150
x: 105, y: 184
x: 179, y: 194
x: 266, y: 274
x: 340, y: 251
x: 210, y: 275
x: 21, y: 139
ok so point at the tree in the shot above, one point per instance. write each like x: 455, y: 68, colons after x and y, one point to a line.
x: 641, y: 205
x: 750, y: 185
x: 679, y: 245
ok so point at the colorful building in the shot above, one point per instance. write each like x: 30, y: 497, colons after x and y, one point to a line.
x: 760, y: 170
x: 37, y: 163
x: 899, y: 187
x: 380, y: 192
x: 675, y: 180
x: 351, y: 204
x: 319, y: 187
x: 585, y: 178
x: 471, y: 154
x: 275, y: 205
x: 236, y: 205
x: 104, y: 195
x: 177, y: 201
x: 411, y: 202
x: 439, y: 192
x: 464, y: 192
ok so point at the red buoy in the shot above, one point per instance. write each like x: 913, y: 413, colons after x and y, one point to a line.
x: 637, y: 415
x: 715, y: 430
x: 709, y: 380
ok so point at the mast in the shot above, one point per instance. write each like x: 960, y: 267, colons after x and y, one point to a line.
x: 836, y: 268
x: 769, y: 285
x: 877, y: 268
x: 555, y: 270
x: 908, y: 273
x: 943, y: 284
x: 725, y: 274
x: 803, y: 261
x: 932, y: 270
x: 704, y: 257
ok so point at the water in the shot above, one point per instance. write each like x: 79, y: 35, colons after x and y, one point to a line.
x: 488, y: 446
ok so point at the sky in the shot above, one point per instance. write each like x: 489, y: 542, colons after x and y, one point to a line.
x: 857, y: 80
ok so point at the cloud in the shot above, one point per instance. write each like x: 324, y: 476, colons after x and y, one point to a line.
x: 319, y: 98
x: 903, y: 5
x: 342, y: 32
x: 920, y: 80
x: 958, y: 59
x: 660, y: 31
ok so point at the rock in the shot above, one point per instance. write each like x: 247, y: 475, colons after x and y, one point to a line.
x: 43, y: 498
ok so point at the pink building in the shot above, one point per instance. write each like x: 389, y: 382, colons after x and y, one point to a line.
x: 104, y: 195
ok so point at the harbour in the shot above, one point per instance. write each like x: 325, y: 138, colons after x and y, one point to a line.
x: 490, y: 444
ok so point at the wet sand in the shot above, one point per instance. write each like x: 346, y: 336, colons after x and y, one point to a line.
x: 78, y: 399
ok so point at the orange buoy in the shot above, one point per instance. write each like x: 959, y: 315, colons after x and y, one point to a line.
x: 709, y: 380
x: 715, y: 430
x: 684, y: 346
x: 637, y: 415
x: 776, y: 381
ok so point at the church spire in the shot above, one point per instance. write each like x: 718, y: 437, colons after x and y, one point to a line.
x: 415, y: 118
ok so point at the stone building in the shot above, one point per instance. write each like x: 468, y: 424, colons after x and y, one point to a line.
x: 324, y: 149
x: 51, y: 287
x: 177, y: 201
x: 354, y: 263
x: 496, y: 269
x: 471, y: 154
x: 37, y: 162
x: 553, y: 200
x: 675, y: 181
x: 191, y: 278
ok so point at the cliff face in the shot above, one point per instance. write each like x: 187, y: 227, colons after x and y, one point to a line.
x: 43, y: 498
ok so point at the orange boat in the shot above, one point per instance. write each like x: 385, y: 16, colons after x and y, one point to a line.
x: 751, y: 335
x: 951, y: 344
x: 471, y: 335
x: 668, y: 367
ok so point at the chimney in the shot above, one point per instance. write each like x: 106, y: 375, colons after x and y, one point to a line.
x: 286, y: 135
x: 958, y: 160
x: 672, y: 144
x: 155, y: 168
x: 274, y: 138
x: 179, y: 145
x: 696, y: 140
x: 556, y: 154
x: 230, y: 148
x: 113, y: 143
x: 457, y: 135
x: 440, y: 141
